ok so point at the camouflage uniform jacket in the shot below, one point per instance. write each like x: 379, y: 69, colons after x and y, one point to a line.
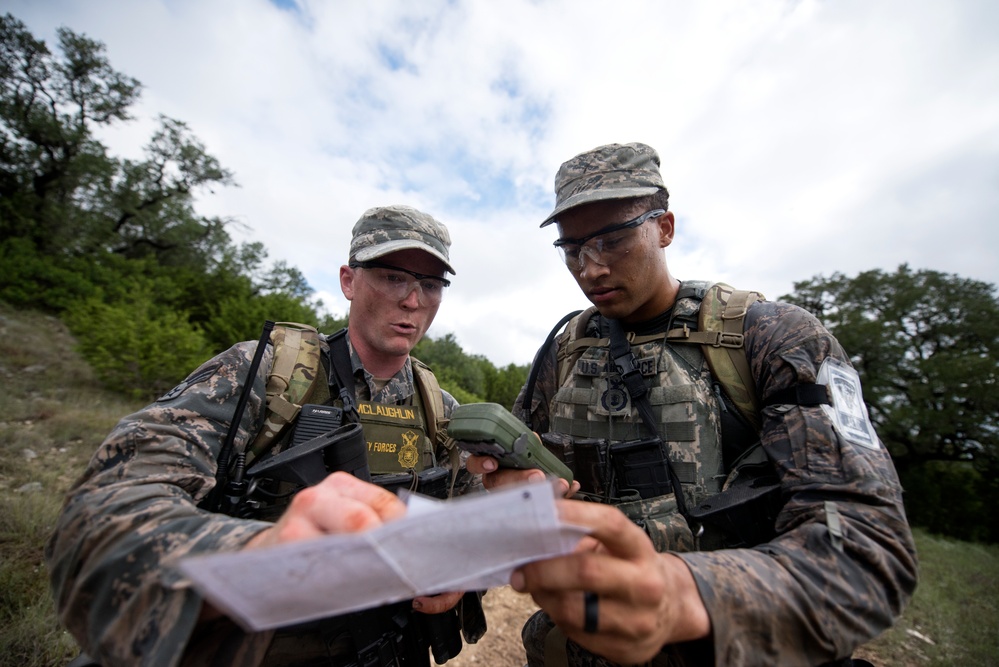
x: 808, y: 596
x: 133, y: 515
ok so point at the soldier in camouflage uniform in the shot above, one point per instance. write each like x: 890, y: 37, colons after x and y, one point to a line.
x: 837, y: 563
x: 134, y: 513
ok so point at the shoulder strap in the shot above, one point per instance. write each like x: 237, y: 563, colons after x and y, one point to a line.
x: 573, y: 342
x: 341, y: 374
x: 433, y: 401
x: 723, y: 312
x: 532, y: 378
x: 291, y: 381
x: 720, y: 324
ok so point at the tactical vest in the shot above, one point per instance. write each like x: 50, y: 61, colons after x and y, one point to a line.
x: 592, y: 413
x: 399, y: 438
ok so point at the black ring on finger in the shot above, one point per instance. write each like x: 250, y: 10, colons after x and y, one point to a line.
x: 590, y: 612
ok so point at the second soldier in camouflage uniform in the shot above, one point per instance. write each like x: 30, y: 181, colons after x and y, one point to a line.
x: 828, y: 566
x: 134, y: 513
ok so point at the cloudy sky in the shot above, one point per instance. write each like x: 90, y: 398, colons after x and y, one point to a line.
x: 798, y: 138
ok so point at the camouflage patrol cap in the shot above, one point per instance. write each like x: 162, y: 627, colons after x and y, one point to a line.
x: 614, y: 171
x: 386, y: 229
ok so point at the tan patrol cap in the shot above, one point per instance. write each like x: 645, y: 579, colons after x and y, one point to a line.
x: 386, y: 229
x: 614, y: 171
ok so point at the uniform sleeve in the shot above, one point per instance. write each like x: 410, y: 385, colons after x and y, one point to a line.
x: 536, y: 414
x: 843, y: 565
x: 133, y: 515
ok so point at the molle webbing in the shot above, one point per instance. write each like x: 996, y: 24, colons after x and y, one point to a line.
x: 718, y: 332
x: 290, y: 383
x: 583, y: 397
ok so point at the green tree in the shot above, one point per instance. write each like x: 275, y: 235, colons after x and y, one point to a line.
x: 503, y: 384
x: 148, y: 210
x: 115, y: 244
x: 445, y: 354
x: 135, y: 345
x: 926, y: 345
x: 48, y: 110
x: 61, y: 190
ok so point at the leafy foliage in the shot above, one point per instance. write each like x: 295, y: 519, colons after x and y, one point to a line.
x: 137, y: 346
x: 470, y: 378
x: 926, y: 345
x: 116, y: 245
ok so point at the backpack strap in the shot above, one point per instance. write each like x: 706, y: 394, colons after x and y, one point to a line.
x: 720, y: 325
x: 573, y: 342
x: 723, y: 311
x: 433, y: 401
x: 291, y: 382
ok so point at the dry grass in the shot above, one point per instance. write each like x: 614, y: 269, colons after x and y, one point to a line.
x: 53, y: 415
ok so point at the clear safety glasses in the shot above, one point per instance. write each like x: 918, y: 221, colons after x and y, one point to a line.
x: 604, y: 246
x: 396, y: 283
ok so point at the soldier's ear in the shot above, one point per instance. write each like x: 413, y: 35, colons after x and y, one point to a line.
x: 666, y: 224
x: 347, y: 277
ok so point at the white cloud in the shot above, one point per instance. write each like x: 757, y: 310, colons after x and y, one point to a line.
x: 797, y: 138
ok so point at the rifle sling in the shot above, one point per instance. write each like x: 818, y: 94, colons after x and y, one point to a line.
x: 341, y: 373
x: 532, y: 379
x: 214, y: 499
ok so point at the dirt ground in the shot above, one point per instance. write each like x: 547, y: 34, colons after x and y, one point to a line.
x: 506, y: 612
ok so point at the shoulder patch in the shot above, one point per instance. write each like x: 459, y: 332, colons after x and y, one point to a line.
x: 847, y: 412
x: 193, y: 379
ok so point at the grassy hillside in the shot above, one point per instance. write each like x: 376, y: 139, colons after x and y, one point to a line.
x: 54, y: 416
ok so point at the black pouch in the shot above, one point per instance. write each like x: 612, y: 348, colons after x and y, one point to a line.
x: 744, y: 514
x: 639, y: 467
x: 442, y: 632
x: 560, y: 445
x: 592, y: 467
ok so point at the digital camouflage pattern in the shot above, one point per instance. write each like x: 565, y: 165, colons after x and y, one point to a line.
x: 133, y: 515
x: 614, y: 171
x: 810, y: 595
x: 593, y: 405
x: 387, y: 229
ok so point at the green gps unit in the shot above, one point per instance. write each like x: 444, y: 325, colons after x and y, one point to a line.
x: 488, y: 429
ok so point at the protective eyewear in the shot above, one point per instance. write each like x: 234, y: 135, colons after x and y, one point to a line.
x: 606, y: 245
x: 396, y: 283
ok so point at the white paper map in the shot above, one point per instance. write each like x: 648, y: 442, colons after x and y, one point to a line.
x: 470, y: 543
